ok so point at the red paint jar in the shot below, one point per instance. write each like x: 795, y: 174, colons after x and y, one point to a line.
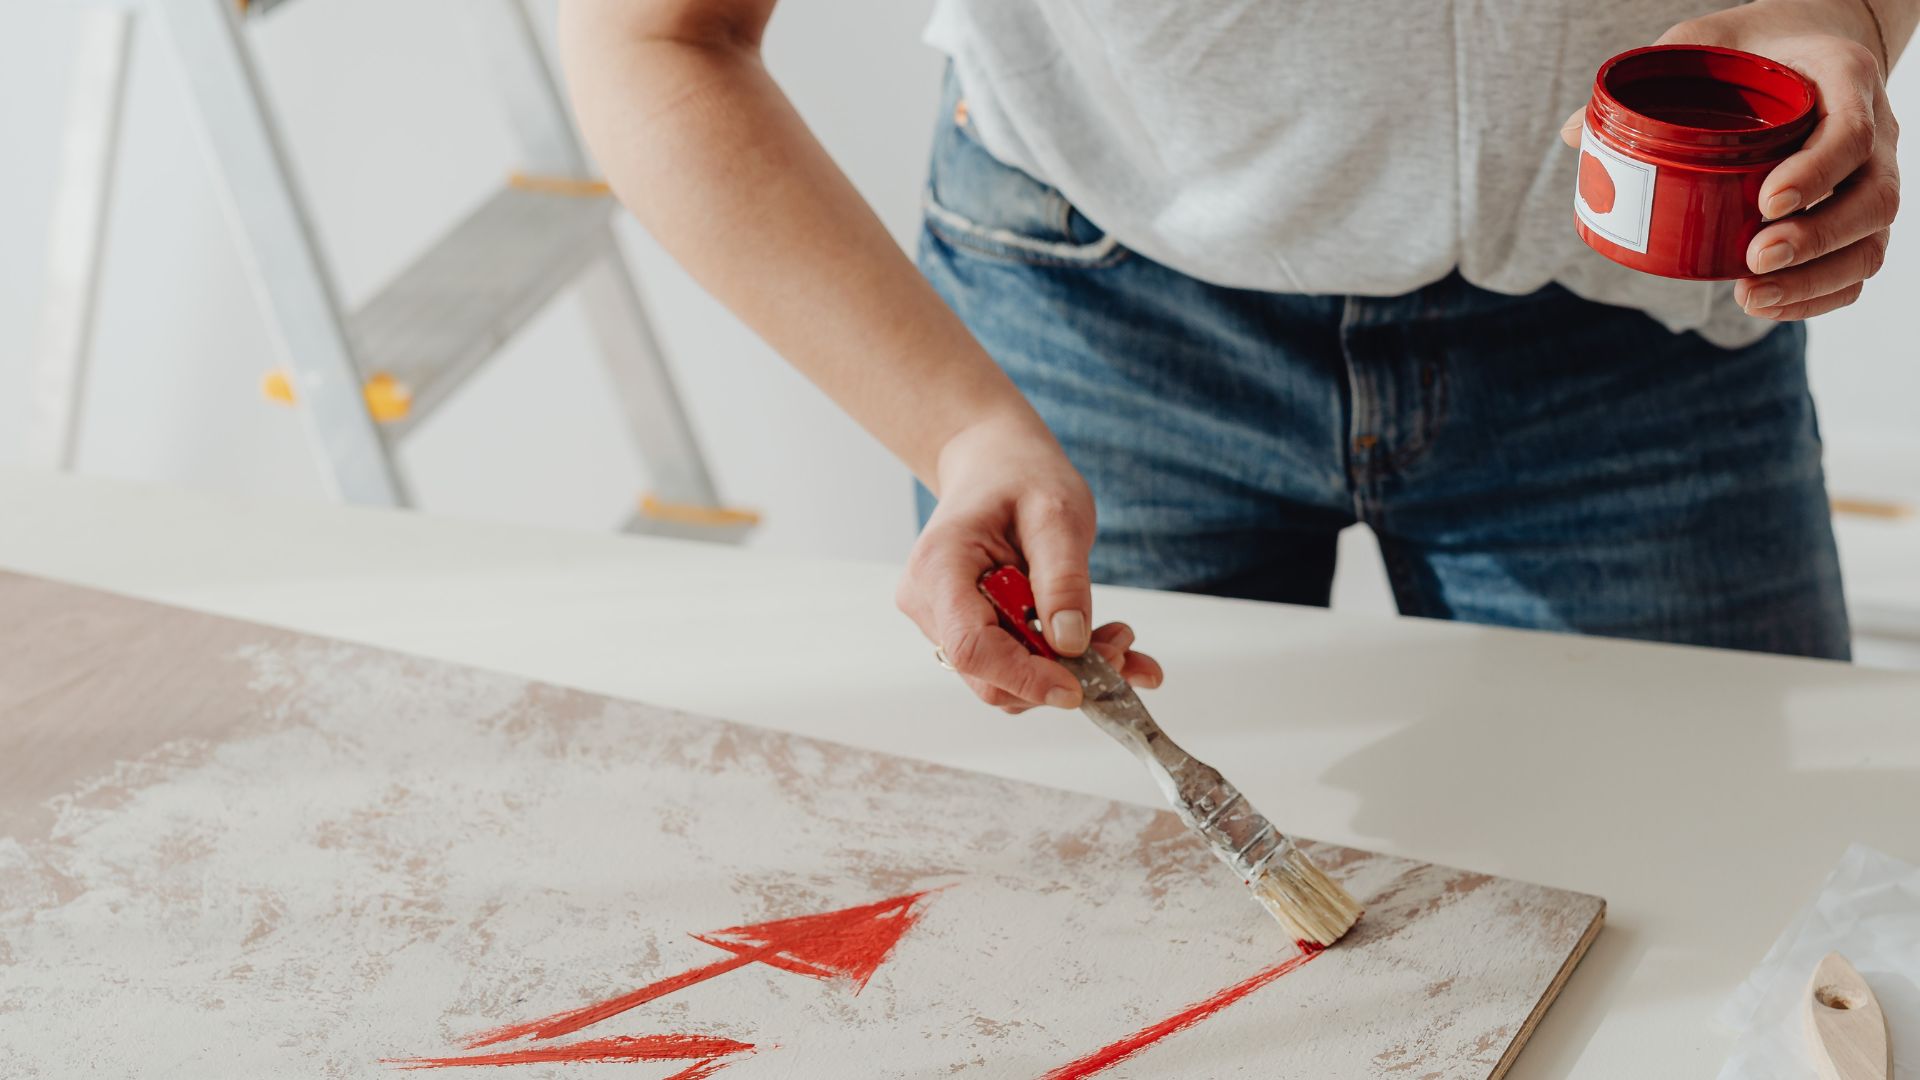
x: 1678, y: 139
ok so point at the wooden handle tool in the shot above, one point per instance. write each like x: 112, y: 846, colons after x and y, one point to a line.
x: 1846, y: 1030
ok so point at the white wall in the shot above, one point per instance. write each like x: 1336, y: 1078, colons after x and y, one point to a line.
x: 391, y: 119
x: 393, y: 124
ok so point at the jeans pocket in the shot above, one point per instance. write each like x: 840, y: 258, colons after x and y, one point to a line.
x: 977, y: 203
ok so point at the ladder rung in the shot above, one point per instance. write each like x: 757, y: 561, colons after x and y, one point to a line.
x: 252, y: 8
x: 1885, y: 509
x: 646, y: 525
x: 697, y: 514
x: 442, y: 317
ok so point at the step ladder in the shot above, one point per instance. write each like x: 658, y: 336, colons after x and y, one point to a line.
x: 362, y: 381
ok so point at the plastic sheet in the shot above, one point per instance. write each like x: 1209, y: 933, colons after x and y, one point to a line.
x: 1868, y: 910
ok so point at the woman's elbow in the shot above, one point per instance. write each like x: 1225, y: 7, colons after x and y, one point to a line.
x: 707, y: 24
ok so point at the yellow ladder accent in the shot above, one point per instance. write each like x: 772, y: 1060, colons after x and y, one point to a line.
x: 388, y: 399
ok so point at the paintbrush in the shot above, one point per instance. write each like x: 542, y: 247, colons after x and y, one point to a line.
x: 1309, y: 904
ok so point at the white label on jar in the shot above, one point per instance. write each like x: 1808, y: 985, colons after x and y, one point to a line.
x: 1614, y: 196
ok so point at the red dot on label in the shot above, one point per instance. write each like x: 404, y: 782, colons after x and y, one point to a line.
x: 1596, y: 184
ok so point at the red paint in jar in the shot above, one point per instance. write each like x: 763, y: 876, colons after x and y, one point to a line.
x: 1678, y: 140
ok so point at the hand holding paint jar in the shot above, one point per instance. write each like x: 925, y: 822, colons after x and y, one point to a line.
x: 1756, y: 144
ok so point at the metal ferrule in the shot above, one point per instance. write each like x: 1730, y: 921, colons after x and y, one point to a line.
x: 1205, y: 800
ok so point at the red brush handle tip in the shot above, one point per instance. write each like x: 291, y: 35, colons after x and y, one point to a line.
x: 1011, y: 594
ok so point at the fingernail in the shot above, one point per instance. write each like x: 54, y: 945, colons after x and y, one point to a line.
x: 1782, y: 204
x: 1070, y: 634
x: 1773, y: 257
x: 1062, y: 698
x: 1764, y: 296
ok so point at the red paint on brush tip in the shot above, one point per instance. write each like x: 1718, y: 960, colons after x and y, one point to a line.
x: 707, y: 1052
x: 1114, y: 1053
x: 849, y: 944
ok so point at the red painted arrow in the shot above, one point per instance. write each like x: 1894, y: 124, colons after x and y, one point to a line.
x: 709, y: 1054
x: 850, y: 944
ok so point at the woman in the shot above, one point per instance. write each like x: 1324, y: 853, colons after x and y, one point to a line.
x: 1245, y: 273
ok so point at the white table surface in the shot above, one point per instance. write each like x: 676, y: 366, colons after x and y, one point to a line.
x: 1704, y: 794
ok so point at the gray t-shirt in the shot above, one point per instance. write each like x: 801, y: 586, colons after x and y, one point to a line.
x: 1322, y: 146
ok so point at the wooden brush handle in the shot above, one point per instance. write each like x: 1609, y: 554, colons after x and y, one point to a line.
x: 1207, y: 801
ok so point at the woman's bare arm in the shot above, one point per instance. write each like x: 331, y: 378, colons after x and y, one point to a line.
x: 703, y: 147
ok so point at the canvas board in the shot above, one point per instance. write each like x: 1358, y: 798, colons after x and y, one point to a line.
x: 231, y: 850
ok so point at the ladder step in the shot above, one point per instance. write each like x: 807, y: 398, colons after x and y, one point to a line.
x: 442, y: 317
x: 690, y: 521
x: 258, y: 7
x: 694, y: 515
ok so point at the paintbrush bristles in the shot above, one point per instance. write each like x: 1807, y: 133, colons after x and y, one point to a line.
x: 1309, y: 904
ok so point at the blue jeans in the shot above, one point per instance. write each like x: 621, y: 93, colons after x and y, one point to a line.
x: 1536, y: 461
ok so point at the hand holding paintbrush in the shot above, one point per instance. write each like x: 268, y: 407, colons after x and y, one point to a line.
x: 1310, y: 905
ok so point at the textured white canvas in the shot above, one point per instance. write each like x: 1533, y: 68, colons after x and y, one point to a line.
x: 375, y: 858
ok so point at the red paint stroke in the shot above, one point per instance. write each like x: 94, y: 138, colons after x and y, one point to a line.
x: 1113, y: 1054
x: 572, y: 1020
x: 851, y: 944
x: 1596, y: 184
x: 700, y: 1070
x: 707, y: 1052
